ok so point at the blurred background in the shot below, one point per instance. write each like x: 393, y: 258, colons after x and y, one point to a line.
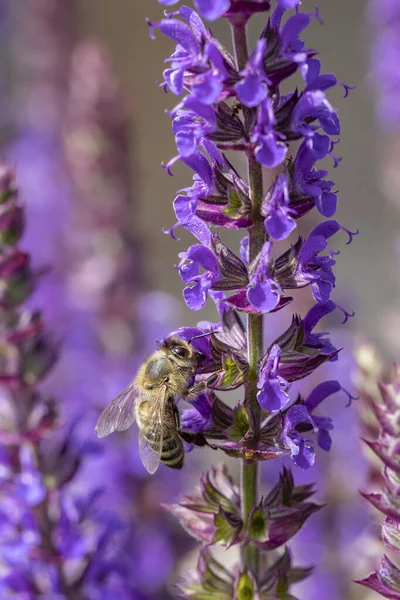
x: 84, y: 122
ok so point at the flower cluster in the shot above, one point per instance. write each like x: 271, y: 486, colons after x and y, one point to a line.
x: 235, y: 104
x: 384, y: 400
x: 54, y: 543
x: 232, y: 106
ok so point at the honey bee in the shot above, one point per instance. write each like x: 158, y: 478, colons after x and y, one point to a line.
x: 150, y: 399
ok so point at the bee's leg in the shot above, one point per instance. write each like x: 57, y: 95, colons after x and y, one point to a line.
x: 177, y: 418
x: 197, y: 439
x: 193, y: 438
x: 195, y: 390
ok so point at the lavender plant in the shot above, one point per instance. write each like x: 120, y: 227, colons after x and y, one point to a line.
x: 382, y: 395
x: 54, y: 543
x: 236, y: 104
x: 93, y: 295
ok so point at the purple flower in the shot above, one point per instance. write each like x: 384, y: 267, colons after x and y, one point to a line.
x: 301, y: 449
x: 300, y: 418
x: 198, y: 418
x: 303, y: 265
x: 273, y: 388
x: 191, y: 126
x: 29, y: 482
x: 307, y: 182
x: 198, y: 257
x: 279, y: 221
x: 313, y: 105
x: 212, y: 9
x: 253, y: 87
x: 262, y: 292
x: 269, y: 150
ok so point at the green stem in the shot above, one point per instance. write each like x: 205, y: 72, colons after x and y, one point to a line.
x: 249, y: 473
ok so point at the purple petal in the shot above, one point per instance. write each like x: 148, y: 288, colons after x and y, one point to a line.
x: 196, y: 296
x: 324, y: 438
x: 208, y: 90
x: 327, y: 229
x: 269, y: 152
x: 204, y: 257
x: 320, y: 392
x: 279, y: 224
x: 198, y: 162
x: 293, y: 26
x: 327, y: 204
x: 174, y: 79
x: 181, y: 34
x: 196, y: 24
x: 252, y: 90
x: 288, y: 3
x: 273, y: 396
x: 212, y: 9
x: 315, y: 314
x: 184, y: 207
x: 263, y: 296
x: 305, y: 457
x: 310, y: 248
x: 199, y: 229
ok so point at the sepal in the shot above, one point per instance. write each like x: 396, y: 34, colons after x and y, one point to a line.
x: 245, y: 587
x: 211, y: 580
x: 386, y: 581
x: 233, y: 269
x: 286, y: 510
x: 277, y: 578
x: 213, y: 514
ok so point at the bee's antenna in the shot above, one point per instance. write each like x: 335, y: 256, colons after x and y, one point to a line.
x: 196, y: 337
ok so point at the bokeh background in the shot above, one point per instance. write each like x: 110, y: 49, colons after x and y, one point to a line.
x: 84, y: 123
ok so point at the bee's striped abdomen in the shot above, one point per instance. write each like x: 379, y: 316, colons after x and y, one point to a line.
x: 172, y: 452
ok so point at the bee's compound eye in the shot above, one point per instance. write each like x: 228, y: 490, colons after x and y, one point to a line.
x: 180, y: 351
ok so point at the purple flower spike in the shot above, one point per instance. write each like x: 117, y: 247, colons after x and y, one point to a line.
x: 273, y: 388
x: 238, y: 104
x: 197, y: 257
x: 262, y: 291
x: 253, y: 88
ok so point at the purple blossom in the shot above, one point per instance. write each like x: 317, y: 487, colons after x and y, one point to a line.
x: 252, y: 89
x: 195, y: 258
x: 301, y: 448
x: 269, y: 150
x: 309, y: 183
x: 279, y: 221
x: 273, y: 394
x: 262, y: 291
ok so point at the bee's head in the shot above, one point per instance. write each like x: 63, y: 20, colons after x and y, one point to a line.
x: 182, y: 351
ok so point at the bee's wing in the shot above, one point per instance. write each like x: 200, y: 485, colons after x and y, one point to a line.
x: 120, y: 414
x: 151, y: 436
